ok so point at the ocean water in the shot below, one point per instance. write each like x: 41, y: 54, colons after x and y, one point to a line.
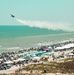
x: 14, y: 38
x: 18, y: 31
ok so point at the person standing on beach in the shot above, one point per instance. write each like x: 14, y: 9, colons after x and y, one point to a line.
x: 62, y: 71
x: 53, y: 57
x: 44, y: 71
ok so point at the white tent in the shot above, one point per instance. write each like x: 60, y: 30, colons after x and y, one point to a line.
x: 69, y: 45
x: 20, y: 59
x: 8, y: 62
x: 57, y: 48
x: 65, y: 47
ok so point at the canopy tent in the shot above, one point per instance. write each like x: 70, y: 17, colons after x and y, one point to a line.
x: 57, y: 48
x: 65, y: 47
x: 69, y: 45
x: 8, y: 62
x: 20, y: 59
x: 49, y: 47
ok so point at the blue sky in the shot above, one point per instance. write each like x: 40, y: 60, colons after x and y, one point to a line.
x: 59, y: 11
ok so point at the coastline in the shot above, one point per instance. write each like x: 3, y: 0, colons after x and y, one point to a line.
x: 56, y: 54
x: 33, y: 41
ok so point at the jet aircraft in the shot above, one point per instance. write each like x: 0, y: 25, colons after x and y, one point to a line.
x: 12, y: 16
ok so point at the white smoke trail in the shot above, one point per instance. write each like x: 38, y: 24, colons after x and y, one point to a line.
x: 46, y: 24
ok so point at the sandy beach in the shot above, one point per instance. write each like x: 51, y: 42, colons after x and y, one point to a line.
x: 58, y: 57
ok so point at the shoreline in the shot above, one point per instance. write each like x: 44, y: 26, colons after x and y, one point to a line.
x: 11, y: 70
x: 33, y: 41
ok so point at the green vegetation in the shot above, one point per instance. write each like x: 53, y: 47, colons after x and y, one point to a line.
x: 68, y: 59
x: 52, y: 67
x: 49, y: 67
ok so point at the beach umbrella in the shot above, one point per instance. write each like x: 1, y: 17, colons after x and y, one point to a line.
x: 1, y: 59
x: 36, y: 58
x: 12, y: 58
x: 49, y: 47
x: 44, y: 56
x: 70, y: 54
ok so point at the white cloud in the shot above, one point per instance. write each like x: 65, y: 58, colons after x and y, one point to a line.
x: 46, y: 24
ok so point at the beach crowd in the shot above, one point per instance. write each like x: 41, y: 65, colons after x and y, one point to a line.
x: 32, y: 55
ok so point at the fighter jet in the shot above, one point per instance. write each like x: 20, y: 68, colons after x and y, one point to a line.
x: 12, y: 16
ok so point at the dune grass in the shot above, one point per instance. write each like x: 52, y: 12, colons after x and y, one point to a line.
x: 52, y: 67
